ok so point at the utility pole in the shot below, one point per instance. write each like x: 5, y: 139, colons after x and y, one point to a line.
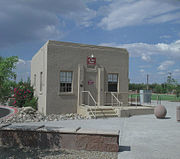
x: 147, y: 86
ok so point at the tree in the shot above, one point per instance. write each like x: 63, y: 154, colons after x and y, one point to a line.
x: 136, y: 86
x: 6, y: 75
x: 170, y: 80
x: 171, y: 83
x: 177, y: 91
x: 158, y: 89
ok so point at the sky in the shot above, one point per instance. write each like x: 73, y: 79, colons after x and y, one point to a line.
x: 148, y: 29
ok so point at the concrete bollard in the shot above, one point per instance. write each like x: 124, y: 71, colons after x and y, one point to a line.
x: 178, y: 113
x: 160, y: 111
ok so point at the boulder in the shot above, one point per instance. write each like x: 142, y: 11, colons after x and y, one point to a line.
x: 28, y: 109
x: 160, y: 111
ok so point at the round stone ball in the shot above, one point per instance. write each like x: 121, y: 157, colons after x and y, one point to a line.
x: 160, y: 111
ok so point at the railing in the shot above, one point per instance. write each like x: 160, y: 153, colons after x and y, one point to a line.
x: 117, y: 100
x: 158, y: 99
x: 137, y: 98
x: 111, y: 96
x: 134, y: 98
x: 88, y: 100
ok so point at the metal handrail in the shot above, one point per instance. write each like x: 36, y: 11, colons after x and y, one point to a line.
x: 112, y: 95
x: 89, y: 94
x: 119, y: 103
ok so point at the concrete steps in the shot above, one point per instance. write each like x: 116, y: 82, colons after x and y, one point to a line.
x: 102, y: 112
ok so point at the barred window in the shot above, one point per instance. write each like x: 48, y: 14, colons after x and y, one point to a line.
x: 34, y: 80
x: 112, y: 82
x: 41, y: 78
x: 65, y: 81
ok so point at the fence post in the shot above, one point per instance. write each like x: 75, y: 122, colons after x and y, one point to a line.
x: 88, y: 99
x: 136, y: 97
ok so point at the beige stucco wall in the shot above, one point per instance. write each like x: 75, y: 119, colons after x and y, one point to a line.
x: 39, y: 64
x: 67, y: 56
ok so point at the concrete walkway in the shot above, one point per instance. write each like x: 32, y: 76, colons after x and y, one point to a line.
x: 149, y: 138
x: 141, y: 137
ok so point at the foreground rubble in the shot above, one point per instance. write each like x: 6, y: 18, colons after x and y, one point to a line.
x: 28, y: 114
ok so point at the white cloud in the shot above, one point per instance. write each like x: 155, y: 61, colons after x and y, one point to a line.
x: 146, y: 57
x: 176, y: 70
x: 147, y: 51
x: 165, y: 36
x: 173, y: 47
x: 165, y: 18
x: 23, y: 69
x: 142, y: 70
x: 165, y: 65
x: 145, y: 66
x: 153, y: 54
x: 20, y: 61
x: 176, y: 74
x: 136, y: 12
x: 162, y: 73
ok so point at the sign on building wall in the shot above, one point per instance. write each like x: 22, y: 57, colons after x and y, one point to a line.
x: 90, y: 82
x: 91, y: 60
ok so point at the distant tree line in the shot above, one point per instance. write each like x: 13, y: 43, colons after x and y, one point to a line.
x: 170, y: 86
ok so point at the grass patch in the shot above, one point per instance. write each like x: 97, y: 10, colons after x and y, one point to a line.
x: 168, y: 97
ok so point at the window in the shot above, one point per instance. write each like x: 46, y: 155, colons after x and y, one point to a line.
x: 41, y: 76
x: 34, y: 80
x: 112, y: 82
x: 65, y: 81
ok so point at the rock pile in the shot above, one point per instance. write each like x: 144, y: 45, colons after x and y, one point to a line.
x: 28, y: 114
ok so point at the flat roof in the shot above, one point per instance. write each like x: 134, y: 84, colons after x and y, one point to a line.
x: 61, y: 43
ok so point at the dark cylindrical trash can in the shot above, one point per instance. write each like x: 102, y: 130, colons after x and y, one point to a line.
x: 178, y: 113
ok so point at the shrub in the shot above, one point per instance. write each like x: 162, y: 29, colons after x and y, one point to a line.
x: 11, y: 101
x: 32, y: 103
x: 23, y: 93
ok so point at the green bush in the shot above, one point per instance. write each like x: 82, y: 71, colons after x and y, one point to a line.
x: 24, y: 95
x: 11, y: 101
x: 32, y: 103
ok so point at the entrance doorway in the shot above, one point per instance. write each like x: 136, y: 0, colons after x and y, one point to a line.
x: 91, y: 86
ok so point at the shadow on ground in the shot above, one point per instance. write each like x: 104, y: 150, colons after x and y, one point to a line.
x: 164, y: 118
x: 124, y: 148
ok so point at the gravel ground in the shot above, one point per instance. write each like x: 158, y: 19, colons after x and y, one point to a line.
x: 28, y: 114
x: 27, y: 153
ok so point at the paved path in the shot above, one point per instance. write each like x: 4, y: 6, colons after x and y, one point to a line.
x: 146, y: 137
x: 4, y: 112
x: 141, y: 137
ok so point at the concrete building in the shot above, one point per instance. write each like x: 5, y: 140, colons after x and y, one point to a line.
x: 73, y: 78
